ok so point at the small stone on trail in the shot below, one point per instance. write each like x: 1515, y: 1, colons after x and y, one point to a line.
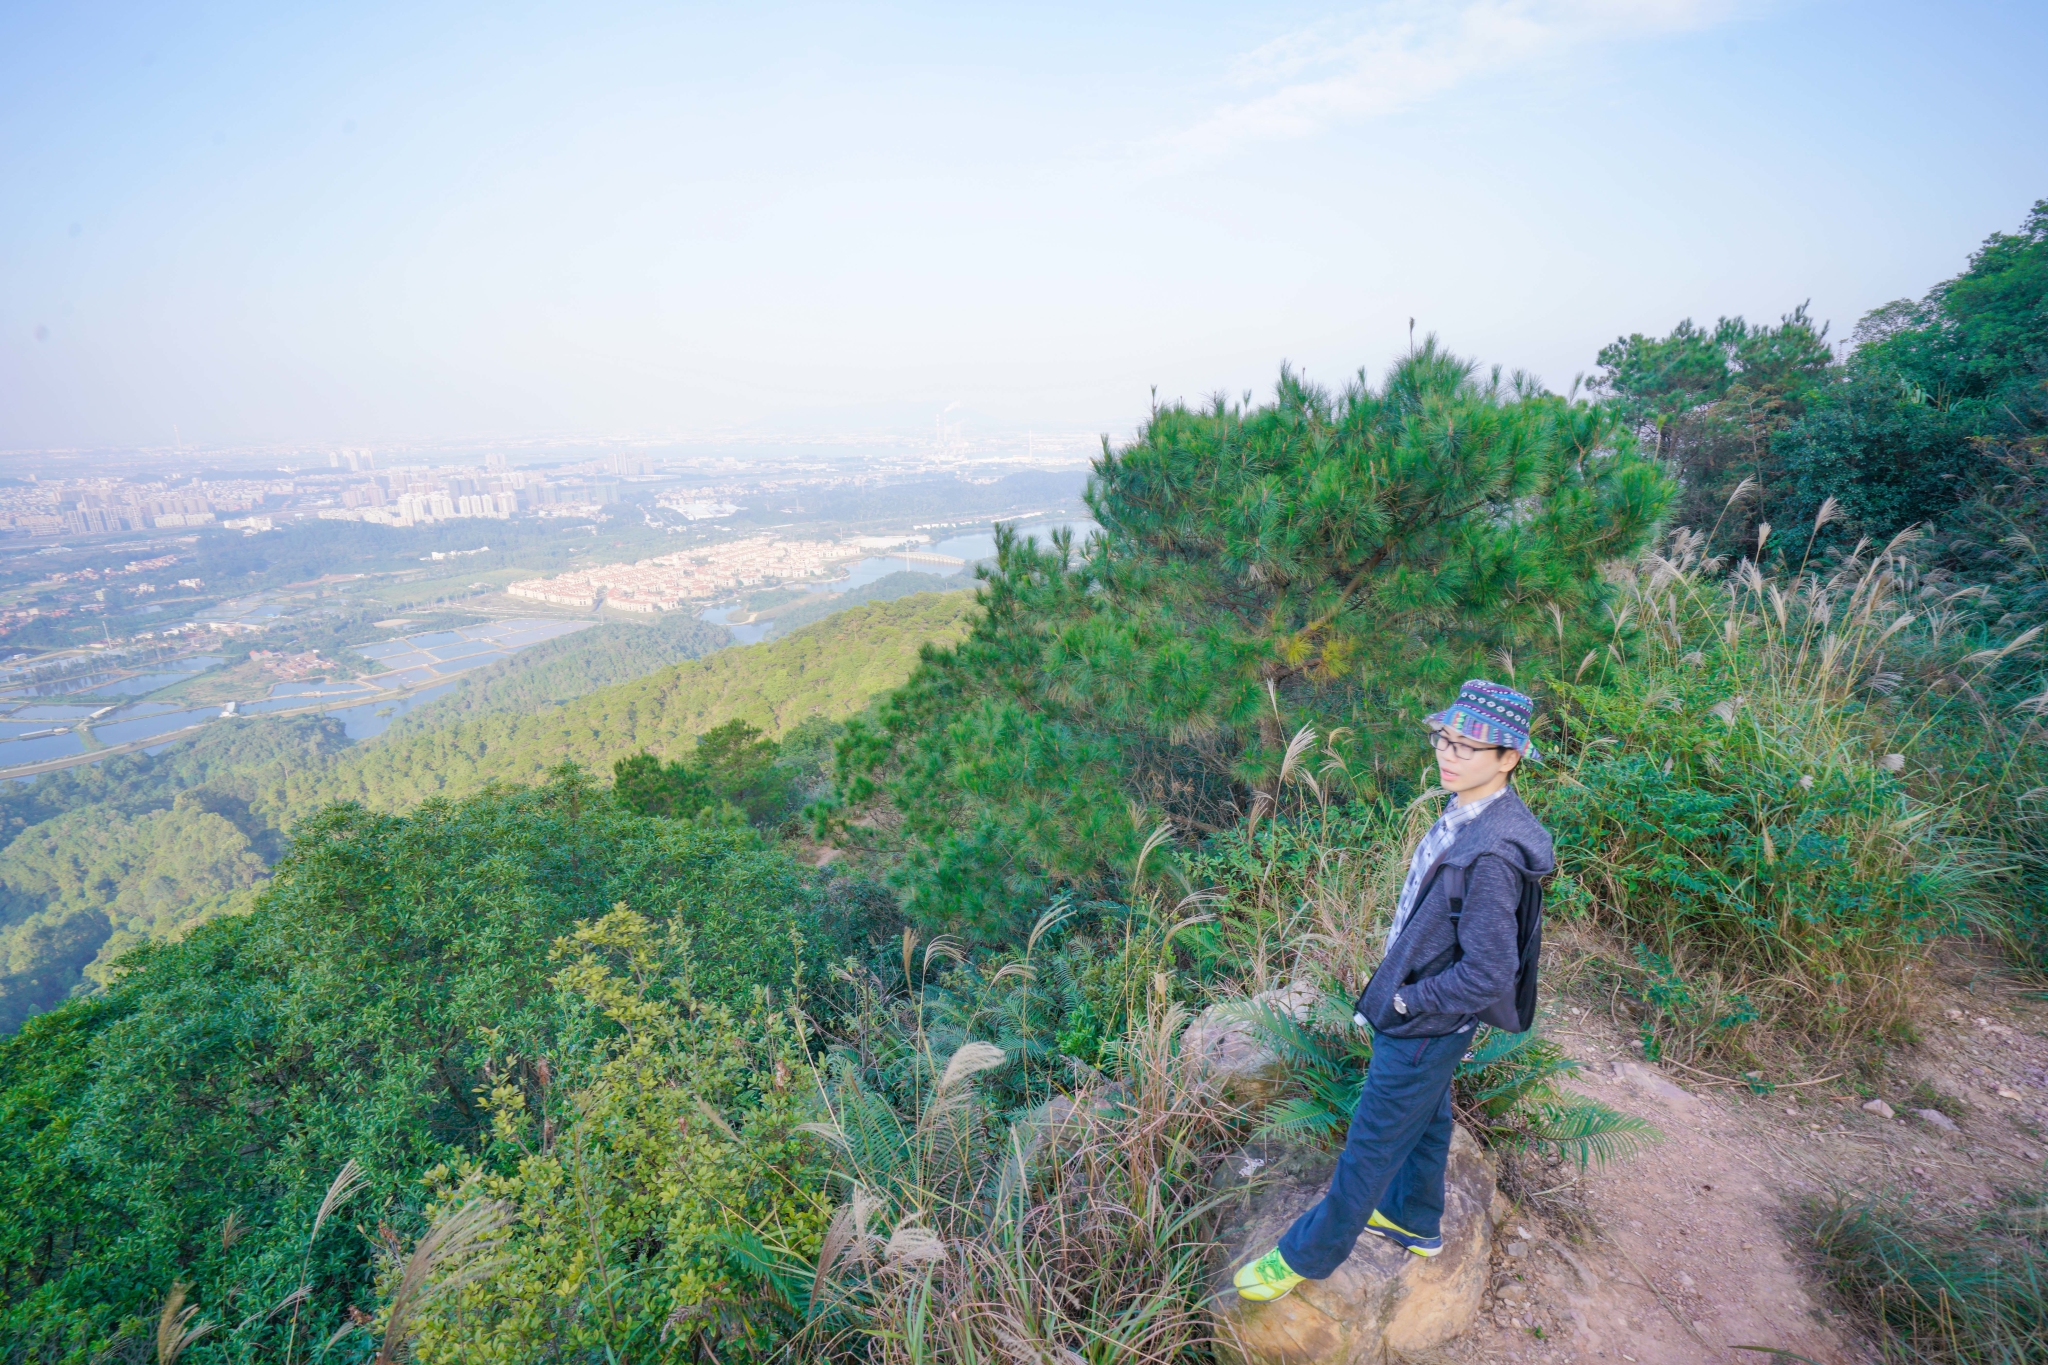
x: 1790, y: 1111
x: 1935, y: 1118
x: 1685, y: 1279
x: 1653, y: 1084
x: 1518, y: 1249
x: 1877, y: 1107
x: 2007, y: 1093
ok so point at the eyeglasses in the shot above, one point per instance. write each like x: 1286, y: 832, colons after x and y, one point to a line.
x: 1457, y: 749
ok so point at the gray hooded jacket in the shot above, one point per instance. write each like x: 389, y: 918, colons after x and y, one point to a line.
x: 1499, y: 849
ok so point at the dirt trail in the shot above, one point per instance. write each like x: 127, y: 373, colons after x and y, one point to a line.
x: 1693, y: 1254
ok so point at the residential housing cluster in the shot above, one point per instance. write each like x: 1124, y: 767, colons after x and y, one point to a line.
x: 668, y: 581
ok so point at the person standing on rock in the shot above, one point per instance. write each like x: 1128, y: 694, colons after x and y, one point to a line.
x: 1448, y: 967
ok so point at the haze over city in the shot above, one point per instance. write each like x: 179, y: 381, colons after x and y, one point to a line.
x: 241, y: 225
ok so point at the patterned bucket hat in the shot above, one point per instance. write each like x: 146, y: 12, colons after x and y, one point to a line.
x: 1491, y: 714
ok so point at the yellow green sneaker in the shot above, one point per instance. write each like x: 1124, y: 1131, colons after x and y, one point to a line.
x: 1382, y: 1226
x: 1266, y: 1279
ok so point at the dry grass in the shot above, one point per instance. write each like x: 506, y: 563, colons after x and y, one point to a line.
x: 1077, y: 1233
x: 1740, y: 808
x: 460, y: 1247
x: 1309, y: 899
x: 175, y: 1329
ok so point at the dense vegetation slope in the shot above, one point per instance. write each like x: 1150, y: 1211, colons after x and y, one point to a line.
x: 138, y: 847
x: 395, y: 972
x: 827, y: 671
x: 97, y: 857
x: 571, y: 666
x: 793, y: 616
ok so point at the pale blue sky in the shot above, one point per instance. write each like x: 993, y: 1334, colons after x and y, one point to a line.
x: 300, y: 223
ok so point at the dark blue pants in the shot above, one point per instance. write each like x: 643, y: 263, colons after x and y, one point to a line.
x: 1394, y: 1154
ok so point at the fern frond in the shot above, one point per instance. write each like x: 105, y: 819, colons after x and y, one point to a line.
x: 1300, y: 1117
x: 1586, y: 1131
x: 1498, y: 1047
x: 1295, y: 1044
x: 1339, y: 1093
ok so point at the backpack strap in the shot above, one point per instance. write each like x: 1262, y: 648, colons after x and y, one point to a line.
x: 1454, y: 883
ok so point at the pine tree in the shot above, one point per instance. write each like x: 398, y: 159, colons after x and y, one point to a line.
x: 1336, y: 561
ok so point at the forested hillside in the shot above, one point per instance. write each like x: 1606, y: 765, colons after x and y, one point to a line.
x: 570, y: 666
x: 827, y: 671
x: 591, y: 1069
x: 139, y: 847
x: 399, y: 984
x: 813, y: 607
x: 100, y: 857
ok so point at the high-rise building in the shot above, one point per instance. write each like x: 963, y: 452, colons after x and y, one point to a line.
x: 82, y: 521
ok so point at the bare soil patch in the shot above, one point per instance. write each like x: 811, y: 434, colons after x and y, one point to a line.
x: 1691, y: 1250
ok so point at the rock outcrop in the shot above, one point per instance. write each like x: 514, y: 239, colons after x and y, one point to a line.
x: 1383, y: 1302
x: 1237, y: 1058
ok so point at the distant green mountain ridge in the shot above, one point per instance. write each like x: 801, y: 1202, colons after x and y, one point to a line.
x: 570, y: 666
x: 792, y: 617
x: 827, y: 671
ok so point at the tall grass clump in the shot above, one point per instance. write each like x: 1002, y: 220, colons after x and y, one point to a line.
x: 1305, y: 886
x: 1936, y: 1289
x: 1076, y: 1230
x: 1741, y: 803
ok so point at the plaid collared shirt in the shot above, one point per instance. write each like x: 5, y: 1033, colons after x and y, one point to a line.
x: 1441, y: 836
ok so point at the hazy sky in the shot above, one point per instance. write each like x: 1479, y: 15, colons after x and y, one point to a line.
x: 302, y: 223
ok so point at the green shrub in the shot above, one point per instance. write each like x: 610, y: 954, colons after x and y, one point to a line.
x: 1334, y: 560
x: 1733, y: 812
x: 1506, y: 1091
x: 655, y: 1162
x: 733, y: 774
x: 354, y: 1015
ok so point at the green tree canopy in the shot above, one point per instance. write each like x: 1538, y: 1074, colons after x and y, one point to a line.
x: 735, y: 769
x: 394, y: 967
x: 1340, y: 560
x: 1942, y: 401
x: 1712, y: 399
